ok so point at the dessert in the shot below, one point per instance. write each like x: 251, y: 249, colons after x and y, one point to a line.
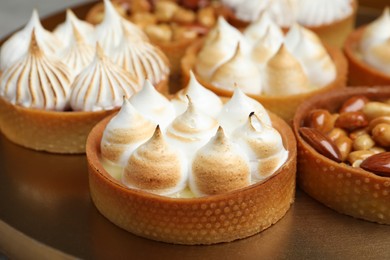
x: 332, y: 21
x: 343, y: 151
x: 191, y: 181
x: 171, y: 25
x: 53, y: 91
x: 366, y: 49
x: 271, y: 68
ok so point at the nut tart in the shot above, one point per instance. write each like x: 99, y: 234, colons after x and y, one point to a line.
x: 332, y: 20
x: 365, y: 50
x: 281, y: 81
x: 192, y: 182
x: 343, y: 151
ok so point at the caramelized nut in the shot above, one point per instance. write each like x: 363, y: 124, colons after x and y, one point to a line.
x: 165, y: 10
x: 355, y: 134
x: 378, y: 164
x: 381, y: 134
x: 321, y: 143
x: 358, y: 156
x: 183, y: 33
x: 321, y: 120
x: 376, y: 109
x: 336, y: 133
x: 378, y: 120
x: 183, y: 16
x: 143, y: 19
x: 363, y: 142
x: 344, y: 144
x: 351, y: 120
x: 207, y: 17
x: 354, y: 104
x: 377, y: 149
x: 161, y: 32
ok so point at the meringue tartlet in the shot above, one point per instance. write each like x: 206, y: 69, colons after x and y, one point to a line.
x: 280, y: 71
x: 367, y: 50
x: 331, y: 20
x: 192, y: 179
x: 354, y: 191
x: 55, y: 86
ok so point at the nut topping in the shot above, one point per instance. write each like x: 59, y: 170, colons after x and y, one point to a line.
x: 378, y: 164
x: 321, y: 143
x: 351, y: 120
x: 354, y: 104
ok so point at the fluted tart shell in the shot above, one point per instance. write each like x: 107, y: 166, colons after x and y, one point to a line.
x: 63, y: 132
x: 206, y: 220
x: 348, y: 190
x: 359, y: 72
x: 283, y: 106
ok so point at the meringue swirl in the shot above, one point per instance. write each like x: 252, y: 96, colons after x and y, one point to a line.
x: 37, y: 81
x: 101, y: 85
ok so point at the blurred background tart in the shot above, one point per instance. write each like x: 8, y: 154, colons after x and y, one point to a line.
x: 279, y: 70
x: 367, y: 50
x: 55, y: 86
x: 332, y: 20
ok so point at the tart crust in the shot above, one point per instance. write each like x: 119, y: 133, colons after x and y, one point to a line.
x: 51, y: 131
x: 206, y: 220
x: 348, y: 190
x: 359, y: 72
x: 283, y: 106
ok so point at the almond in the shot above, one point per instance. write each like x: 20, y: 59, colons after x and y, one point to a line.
x: 321, y: 120
x: 321, y: 143
x: 378, y: 164
x: 351, y: 120
x: 354, y: 104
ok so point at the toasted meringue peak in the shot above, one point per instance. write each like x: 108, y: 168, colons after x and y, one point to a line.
x: 266, y: 47
x: 65, y: 30
x: 315, y: 13
x: 207, y: 101
x: 124, y: 133
x: 235, y: 112
x: 307, y: 48
x: 262, y: 26
x: 110, y: 31
x: 218, y: 47
x: 153, y: 105
x: 263, y: 145
x: 101, y: 85
x: 285, y: 75
x: 18, y: 44
x: 240, y: 70
x: 376, y: 32
x: 156, y: 167
x: 219, y: 167
x: 36, y: 80
x: 141, y: 59
x: 191, y: 130
x: 79, y: 54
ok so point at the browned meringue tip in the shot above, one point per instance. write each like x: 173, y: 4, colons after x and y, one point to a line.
x: 246, y: 211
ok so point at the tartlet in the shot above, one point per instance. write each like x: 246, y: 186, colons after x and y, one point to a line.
x: 360, y: 73
x: 287, y: 12
x: 205, y: 220
x: 272, y: 103
x: 346, y: 189
x: 171, y: 25
x: 40, y: 103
